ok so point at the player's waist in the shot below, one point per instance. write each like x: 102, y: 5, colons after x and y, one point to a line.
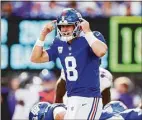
x: 84, y: 93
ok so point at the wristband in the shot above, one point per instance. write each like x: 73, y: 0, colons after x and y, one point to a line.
x: 90, y: 38
x: 39, y: 43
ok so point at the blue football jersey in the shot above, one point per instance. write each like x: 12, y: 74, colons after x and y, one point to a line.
x: 43, y: 111
x: 117, y: 110
x: 80, y: 64
x: 110, y: 116
x: 112, y: 110
x: 132, y: 114
x: 49, y: 111
x: 129, y: 114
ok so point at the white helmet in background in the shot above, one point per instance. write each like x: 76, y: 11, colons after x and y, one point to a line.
x: 105, y: 79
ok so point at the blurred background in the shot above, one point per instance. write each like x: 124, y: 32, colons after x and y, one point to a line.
x: 24, y: 83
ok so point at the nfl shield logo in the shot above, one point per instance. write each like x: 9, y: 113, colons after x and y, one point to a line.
x: 60, y: 49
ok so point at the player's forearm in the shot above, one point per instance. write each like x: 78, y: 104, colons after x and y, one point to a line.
x: 59, y: 100
x: 98, y: 47
x: 59, y: 113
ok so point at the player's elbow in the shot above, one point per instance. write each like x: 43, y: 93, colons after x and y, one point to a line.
x: 33, y: 60
x: 100, y: 54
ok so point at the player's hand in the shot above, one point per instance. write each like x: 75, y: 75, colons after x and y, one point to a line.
x: 47, y: 29
x: 85, y: 26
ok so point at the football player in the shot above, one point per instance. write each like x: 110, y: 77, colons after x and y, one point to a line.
x: 79, y: 50
x: 49, y: 82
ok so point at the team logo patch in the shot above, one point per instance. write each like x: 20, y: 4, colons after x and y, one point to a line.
x: 60, y: 49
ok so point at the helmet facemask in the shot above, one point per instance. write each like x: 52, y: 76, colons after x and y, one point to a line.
x: 67, y: 36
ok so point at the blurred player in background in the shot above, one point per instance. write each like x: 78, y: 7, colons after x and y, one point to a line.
x: 106, y: 79
x: 14, y: 85
x: 49, y: 82
x: 122, y: 91
x: 24, y: 97
x: 60, y: 88
x: 79, y: 50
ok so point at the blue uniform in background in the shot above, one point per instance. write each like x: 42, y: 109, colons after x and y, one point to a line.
x: 117, y: 110
x: 112, y: 110
x: 44, y: 111
x: 49, y: 114
x: 132, y: 114
x: 80, y: 64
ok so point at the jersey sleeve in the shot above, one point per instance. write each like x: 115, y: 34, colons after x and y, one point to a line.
x: 52, y: 51
x: 98, y: 35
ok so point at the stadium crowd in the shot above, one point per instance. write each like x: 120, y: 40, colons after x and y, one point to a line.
x: 51, y: 9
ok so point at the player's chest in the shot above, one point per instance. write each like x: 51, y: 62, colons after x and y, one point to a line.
x: 77, y: 50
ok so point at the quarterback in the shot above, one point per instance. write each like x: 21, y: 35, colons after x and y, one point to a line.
x: 79, y: 50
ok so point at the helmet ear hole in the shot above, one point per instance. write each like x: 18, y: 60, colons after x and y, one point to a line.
x: 74, y: 34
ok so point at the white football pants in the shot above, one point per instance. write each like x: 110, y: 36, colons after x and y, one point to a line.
x: 83, y: 108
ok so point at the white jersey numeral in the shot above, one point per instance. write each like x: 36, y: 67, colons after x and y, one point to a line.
x: 71, y: 68
x: 35, y: 110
